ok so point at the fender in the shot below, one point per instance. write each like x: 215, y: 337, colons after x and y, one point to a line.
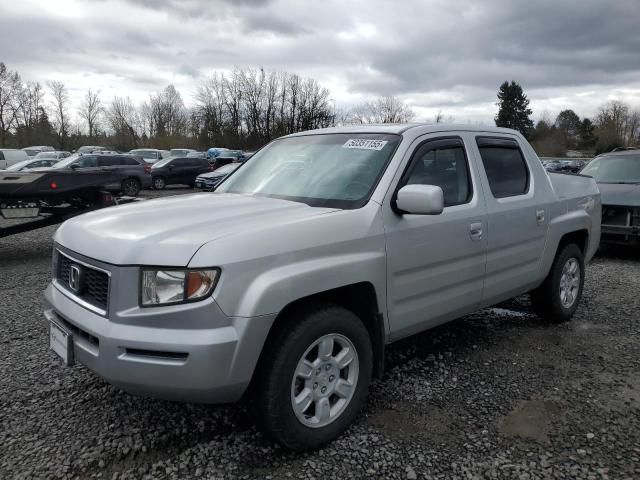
x: 573, y: 221
x: 270, y: 291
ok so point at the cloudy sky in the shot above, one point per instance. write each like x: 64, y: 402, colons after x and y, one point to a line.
x: 438, y: 55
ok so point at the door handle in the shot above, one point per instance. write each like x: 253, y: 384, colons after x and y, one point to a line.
x: 475, y: 231
x: 540, y: 216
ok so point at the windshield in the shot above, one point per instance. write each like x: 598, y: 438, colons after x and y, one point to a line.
x: 336, y: 170
x: 66, y: 162
x: 149, y: 154
x: 46, y: 156
x: 178, y: 152
x: 615, y: 169
x: 163, y: 162
x: 17, y: 166
x: 89, y: 149
x: 228, y: 168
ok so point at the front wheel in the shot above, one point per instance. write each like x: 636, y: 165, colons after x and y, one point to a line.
x: 130, y: 187
x: 159, y: 183
x: 315, y: 377
x: 558, y: 297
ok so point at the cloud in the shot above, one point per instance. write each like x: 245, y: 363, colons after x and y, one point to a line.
x: 436, y: 55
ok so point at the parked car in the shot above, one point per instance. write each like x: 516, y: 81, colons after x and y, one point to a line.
x: 33, y: 151
x: 177, y: 171
x: 150, y: 155
x: 210, y: 180
x: 618, y: 177
x: 91, y: 149
x: 9, y: 156
x: 136, y: 174
x: 202, y: 155
x: 288, y: 282
x: 180, y: 152
x: 218, y: 162
x: 31, y: 164
x: 55, y: 155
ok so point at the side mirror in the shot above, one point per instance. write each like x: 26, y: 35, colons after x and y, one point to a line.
x: 420, y: 200
x: 73, y: 166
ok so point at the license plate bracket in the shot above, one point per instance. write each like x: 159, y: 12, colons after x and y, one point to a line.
x: 61, y: 342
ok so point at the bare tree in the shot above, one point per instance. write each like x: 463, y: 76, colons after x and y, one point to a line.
x: 61, y: 118
x: 90, y: 110
x: 10, y: 91
x: 124, y: 121
x: 387, y: 109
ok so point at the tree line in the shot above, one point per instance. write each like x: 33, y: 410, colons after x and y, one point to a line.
x: 615, y: 124
x: 242, y: 109
x: 248, y: 107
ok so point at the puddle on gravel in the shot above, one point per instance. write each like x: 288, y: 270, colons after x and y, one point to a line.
x: 404, y: 423
x: 531, y: 419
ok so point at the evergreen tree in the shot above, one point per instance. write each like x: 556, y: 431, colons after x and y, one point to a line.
x: 588, y: 138
x: 513, y: 108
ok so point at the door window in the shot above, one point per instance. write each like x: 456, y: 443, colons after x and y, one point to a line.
x: 445, y: 165
x: 109, y: 161
x: 87, y: 161
x: 505, y: 166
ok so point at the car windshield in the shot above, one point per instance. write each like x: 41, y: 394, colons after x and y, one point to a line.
x: 88, y: 149
x: 162, y: 162
x: 615, y: 169
x: 331, y: 170
x: 46, y: 156
x: 178, y: 152
x: 228, y: 168
x: 17, y: 166
x: 151, y: 154
x: 66, y: 162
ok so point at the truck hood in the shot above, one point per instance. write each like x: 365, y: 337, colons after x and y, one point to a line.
x: 169, y: 231
x: 625, y: 194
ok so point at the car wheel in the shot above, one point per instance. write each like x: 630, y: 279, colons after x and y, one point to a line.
x: 314, y: 377
x: 558, y: 297
x: 159, y: 183
x: 130, y: 187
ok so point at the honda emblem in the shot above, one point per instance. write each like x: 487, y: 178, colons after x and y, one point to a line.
x: 75, y: 278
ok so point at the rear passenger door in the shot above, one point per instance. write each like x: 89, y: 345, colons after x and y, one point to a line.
x: 109, y: 163
x: 517, y: 219
x: 436, y: 263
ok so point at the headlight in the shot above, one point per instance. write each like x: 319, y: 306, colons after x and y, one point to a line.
x: 170, y: 286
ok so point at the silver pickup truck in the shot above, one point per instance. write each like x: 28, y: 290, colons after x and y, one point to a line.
x: 285, y: 284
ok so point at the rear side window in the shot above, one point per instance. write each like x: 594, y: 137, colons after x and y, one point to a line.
x: 1, y: 156
x: 505, y: 166
x: 129, y: 161
x: 109, y: 162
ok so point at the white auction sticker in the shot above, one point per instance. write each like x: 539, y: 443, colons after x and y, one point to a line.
x: 365, y: 144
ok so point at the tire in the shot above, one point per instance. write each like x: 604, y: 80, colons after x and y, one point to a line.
x: 158, y: 183
x: 557, y: 299
x: 278, y: 384
x: 130, y: 187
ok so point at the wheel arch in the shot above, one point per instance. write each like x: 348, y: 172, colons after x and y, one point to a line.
x: 359, y: 298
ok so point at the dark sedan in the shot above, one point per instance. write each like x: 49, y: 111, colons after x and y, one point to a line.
x: 209, y: 181
x: 178, y: 171
x: 618, y: 178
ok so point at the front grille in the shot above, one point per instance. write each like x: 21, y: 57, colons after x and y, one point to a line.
x: 93, y: 285
x: 620, y: 216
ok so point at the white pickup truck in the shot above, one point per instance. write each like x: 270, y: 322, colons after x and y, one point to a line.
x: 285, y: 284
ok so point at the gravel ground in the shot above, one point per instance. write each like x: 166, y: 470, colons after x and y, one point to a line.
x: 498, y: 394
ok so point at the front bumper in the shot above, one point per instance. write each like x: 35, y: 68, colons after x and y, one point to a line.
x: 210, y: 358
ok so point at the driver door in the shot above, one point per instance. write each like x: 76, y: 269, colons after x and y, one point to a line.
x: 436, y: 263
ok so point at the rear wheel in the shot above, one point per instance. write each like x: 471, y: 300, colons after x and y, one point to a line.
x: 159, y: 183
x: 558, y: 297
x: 130, y: 187
x: 314, y: 377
